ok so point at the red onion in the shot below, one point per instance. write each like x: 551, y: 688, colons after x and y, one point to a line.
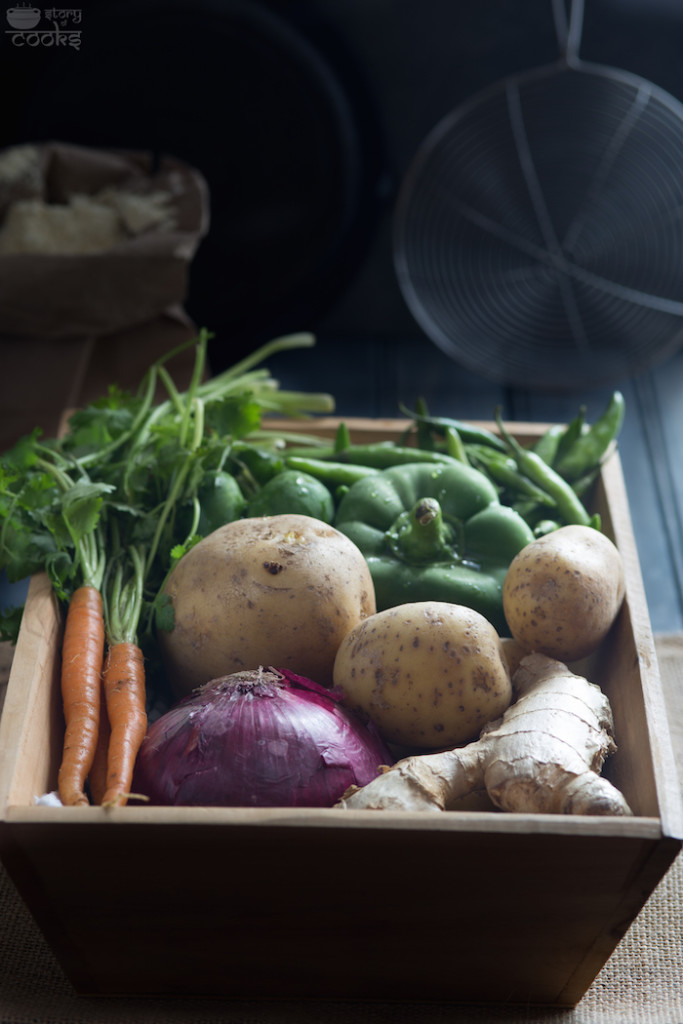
x: 266, y: 738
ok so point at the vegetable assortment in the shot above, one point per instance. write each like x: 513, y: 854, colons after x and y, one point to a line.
x: 189, y: 545
x: 106, y: 510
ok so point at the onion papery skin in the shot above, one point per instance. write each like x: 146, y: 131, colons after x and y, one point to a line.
x: 266, y: 738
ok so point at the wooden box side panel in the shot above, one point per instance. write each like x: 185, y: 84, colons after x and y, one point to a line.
x: 627, y: 669
x: 32, y: 726
x: 521, y: 917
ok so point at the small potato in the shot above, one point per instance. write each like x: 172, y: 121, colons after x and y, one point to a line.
x: 277, y: 590
x: 563, y: 592
x: 429, y: 674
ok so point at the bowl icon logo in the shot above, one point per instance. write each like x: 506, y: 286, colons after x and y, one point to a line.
x: 23, y: 16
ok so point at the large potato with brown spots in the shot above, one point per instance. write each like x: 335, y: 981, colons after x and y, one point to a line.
x: 429, y: 674
x: 563, y: 592
x: 275, y: 590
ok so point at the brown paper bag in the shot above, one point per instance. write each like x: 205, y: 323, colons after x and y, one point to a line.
x: 73, y: 323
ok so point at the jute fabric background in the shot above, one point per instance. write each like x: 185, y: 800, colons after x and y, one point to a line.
x: 642, y: 983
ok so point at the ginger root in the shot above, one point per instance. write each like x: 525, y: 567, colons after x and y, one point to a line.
x: 544, y: 755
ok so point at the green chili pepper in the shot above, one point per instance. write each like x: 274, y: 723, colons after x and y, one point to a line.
x: 546, y: 526
x: 319, y: 451
x: 502, y: 469
x: 454, y: 445
x: 384, y: 455
x: 434, y: 532
x: 570, y: 435
x: 292, y: 491
x: 332, y: 474
x: 376, y: 454
x: 583, y: 485
x: 469, y: 432
x: 539, y: 472
x: 588, y: 450
x: 549, y: 442
x: 425, y: 439
x: 334, y: 453
x: 532, y: 513
x: 342, y: 438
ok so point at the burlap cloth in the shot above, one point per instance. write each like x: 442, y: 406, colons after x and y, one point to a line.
x: 642, y: 983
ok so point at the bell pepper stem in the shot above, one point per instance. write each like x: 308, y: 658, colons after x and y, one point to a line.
x: 421, y: 535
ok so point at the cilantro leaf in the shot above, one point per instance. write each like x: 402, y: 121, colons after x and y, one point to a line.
x: 235, y: 416
x: 10, y: 621
x: 81, y: 507
x: 24, y: 551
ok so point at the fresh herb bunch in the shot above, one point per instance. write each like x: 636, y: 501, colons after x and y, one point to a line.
x: 101, y: 502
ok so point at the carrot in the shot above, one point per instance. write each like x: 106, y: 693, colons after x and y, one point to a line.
x: 97, y: 779
x: 124, y: 688
x: 82, y: 655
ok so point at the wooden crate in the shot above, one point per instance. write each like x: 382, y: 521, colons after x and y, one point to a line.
x: 468, y: 906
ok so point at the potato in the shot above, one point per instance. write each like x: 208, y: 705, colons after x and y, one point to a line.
x: 563, y: 592
x: 429, y: 674
x: 275, y: 590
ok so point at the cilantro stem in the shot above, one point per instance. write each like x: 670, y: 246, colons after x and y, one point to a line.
x: 282, y: 344
x: 123, y: 601
x: 169, y: 384
x: 178, y: 483
x: 111, y: 603
x: 102, y: 454
x: 195, y: 381
x: 123, y: 597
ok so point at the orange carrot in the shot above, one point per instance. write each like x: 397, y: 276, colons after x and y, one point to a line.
x: 97, y: 779
x: 124, y: 687
x: 82, y: 654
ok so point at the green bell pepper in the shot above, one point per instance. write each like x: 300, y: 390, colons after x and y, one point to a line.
x: 218, y: 501
x: 255, y: 465
x: 295, y: 492
x: 434, y: 533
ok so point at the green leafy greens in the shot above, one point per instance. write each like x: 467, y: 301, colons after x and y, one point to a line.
x: 101, y: 504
